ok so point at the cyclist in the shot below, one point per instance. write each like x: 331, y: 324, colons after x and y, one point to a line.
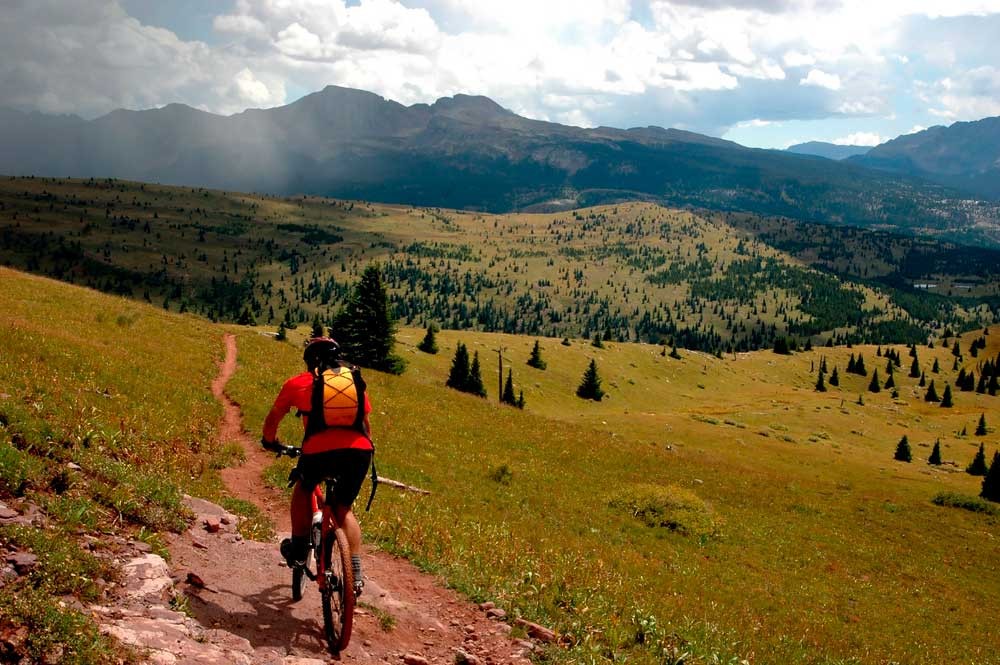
x: 340, y: 452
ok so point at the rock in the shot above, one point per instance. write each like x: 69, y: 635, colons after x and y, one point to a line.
x: 487, y: 606
x: 7, y: 513
x: 295, y: 660
x: 198, y: 544
x: 414, y: 659
x: 537, y: 631
x: 73, y: 466
x: 147, y: 576
x: 212, y: 524
x: 141, y: 547
x: 464, y: 658
x: 23, y: 562
x: 496, y: 613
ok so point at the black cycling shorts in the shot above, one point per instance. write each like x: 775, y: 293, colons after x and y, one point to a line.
x: 347, y: 467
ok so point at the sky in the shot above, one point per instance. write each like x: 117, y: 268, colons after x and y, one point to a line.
x: 764, y: 73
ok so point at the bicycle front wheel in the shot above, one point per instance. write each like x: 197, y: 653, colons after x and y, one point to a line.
x: 338, y: 592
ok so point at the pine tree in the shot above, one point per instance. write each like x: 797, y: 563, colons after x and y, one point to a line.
x: 590, y: 386
x: 994, y: 387
x: 991, y: 483
x: 955, y: 350
x: 936, y: 368
x: 429, y: 343
x: 931, y: 394
x: 851, y: 364
x: 365, y: 326
x: 508, y: 390
x: 890, y: 382
x: 981, y: 427
x: 475, y: 383
x: 822, y: 365
x: 835, y: 378
x: 520, y: 400
x: 458, y: 378
x: 923, y: 379
x: 946, y: 402
x: 598, y: 343
x: 535, y: 360
x: 281, y: 336
x: 859, y: 366
x: 673, y: 353
x: 781, y: 346
x: 820, y: 384
x: 915, y: 368
x: 317, y: 327
x: 875, y: 385
x: 903, y: 453
x: 935, y: 457
x: 977, y: 467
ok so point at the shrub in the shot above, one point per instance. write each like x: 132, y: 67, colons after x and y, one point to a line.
x: 991, y: 483
x: 964, y: 501
x: 502, y: 475
x: 903, y: 452
x: 669, y: 506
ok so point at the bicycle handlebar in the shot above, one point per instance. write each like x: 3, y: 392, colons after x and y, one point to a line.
x: 278, y: 448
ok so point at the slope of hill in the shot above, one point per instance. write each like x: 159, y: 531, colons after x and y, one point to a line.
x: 797, y: 540
x: 631, y: 271
x: 468, y: 152
x: 833, y: 151
x: 965, y: 155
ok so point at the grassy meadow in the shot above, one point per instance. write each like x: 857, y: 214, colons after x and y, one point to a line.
x: 708, y: 510
x: 796, y: 538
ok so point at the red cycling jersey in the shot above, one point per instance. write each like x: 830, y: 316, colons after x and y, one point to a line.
x: 297, y: 394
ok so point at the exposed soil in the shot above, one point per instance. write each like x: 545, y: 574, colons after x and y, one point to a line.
x: 246, y: 585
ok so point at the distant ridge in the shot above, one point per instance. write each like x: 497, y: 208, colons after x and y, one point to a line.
x: 469, y: 152
x: 965, y: 155
x: 833, y: 151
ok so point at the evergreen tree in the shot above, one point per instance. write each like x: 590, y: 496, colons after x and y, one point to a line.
x: 915, y: 368
x: 458, y: 378
x: 890, y: 382
x: 954, y: 365
x: 365, y: 326
x: 946, y: 402
x: 317, y: 327
x: 822, y: 365
x: 520, y: 400
x: 429, y: 343
x: 859, y: 366
x: 851, y: 364
x: 475, y: 384
x: 508, y: 390
x: 936, y: 368
x: 923, y: 379
x: 820, y: 384
x: 281, y: 336
x: 674, y: 354
x: 931, y: 394
x: 535, y: 360
x: 889, y: 366
x: 835, y: 378
x: 955, y: 350
x: 590, y: 386
x: 875, y: 385
x: 781, y: 346
x: 903, y: 453
x: 981, y: 427
x: 935, y: 457
x: 994, y: 387
x: 598, y: 342
x: 977, y: 467
x: 991, y: 483
x: 981, y: 384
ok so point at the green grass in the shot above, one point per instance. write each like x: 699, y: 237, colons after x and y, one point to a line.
x: 828, y: 551
x: 970, y: 503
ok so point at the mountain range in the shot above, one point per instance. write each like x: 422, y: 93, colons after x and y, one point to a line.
x: 834, y: 151
x: 469, y: 152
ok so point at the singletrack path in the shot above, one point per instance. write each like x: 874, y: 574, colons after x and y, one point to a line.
x: 247, y: 586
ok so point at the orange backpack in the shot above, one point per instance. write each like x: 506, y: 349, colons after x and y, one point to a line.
x: 338, y: 399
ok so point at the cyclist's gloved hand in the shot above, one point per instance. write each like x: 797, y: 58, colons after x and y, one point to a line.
x: 273, y: 446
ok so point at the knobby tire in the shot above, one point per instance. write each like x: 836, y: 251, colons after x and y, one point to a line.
x: 338, y: 604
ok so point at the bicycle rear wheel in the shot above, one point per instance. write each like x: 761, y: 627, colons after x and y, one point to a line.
x: 338, y: 592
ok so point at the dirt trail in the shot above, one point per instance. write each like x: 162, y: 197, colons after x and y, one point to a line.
x: 247, y: 585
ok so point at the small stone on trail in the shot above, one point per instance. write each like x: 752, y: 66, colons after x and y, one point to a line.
x: 487, y: 606
x: 538, y: 632
x: 496, y: 613
x: 212, y: 525
x: 199, y: 545
x: 414, y: 659
x: 465, y: 658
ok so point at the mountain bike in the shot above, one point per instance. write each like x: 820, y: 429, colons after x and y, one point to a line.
x: 328, y: 563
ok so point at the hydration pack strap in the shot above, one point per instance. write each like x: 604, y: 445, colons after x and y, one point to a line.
x: 371, y: 497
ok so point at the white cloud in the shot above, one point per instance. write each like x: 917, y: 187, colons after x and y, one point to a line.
x: 860, y: 138
x: 798, y: 59
x: 821, y: 79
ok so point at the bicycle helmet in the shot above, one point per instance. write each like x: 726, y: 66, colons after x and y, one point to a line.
x: 320, y: 349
